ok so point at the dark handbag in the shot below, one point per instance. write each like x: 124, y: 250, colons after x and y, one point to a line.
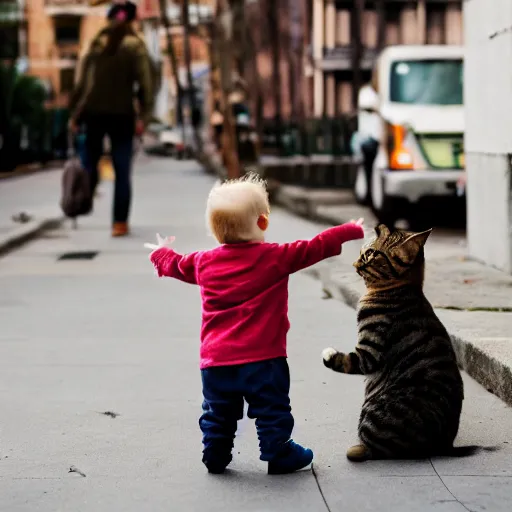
x: 76, y: 199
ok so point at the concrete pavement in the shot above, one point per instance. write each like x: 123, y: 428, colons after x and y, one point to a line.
x: 81, y: 338
x: 36, y: 195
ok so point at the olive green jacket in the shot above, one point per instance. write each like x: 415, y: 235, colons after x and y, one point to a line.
x: 106, y: 84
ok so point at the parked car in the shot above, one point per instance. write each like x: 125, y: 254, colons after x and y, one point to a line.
x: 417, y: 111
x: 178, y: 141
x: 168, y: 140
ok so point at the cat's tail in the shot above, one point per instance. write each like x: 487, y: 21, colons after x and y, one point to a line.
x: 468, y: 451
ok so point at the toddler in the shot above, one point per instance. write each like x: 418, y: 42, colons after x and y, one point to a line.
x: 244, y: 290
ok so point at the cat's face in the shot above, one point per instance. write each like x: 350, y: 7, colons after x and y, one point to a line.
x: 391, y: 256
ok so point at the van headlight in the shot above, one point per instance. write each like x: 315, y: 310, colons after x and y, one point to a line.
x: 403, y: 150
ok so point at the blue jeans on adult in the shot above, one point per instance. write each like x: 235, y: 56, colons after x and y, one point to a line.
x: 120, y: 131
x: 81, y: 149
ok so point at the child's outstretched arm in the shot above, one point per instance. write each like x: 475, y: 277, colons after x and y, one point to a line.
x: 304, y: 253
x: 168, y: 263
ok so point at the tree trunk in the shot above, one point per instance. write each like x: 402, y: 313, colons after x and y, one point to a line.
x: 173, y: 59
x: 296, y: 37
x: 239, y: 35
x: 188, y: 64
x: 381, y: 24
x: 252, y: 57
x: 274, y: 33
x: 357, y: 53
x: 224, y: 32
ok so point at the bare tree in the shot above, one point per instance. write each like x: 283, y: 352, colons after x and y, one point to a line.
x: 172, y: 57
x: 190, y: 80
x: 251, y: 56
x: 224, y: 46
x: 275, y: 40
x: 357, y: 54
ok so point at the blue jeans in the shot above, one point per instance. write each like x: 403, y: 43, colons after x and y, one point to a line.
x: 81, y: 149
x: 120, y: 130
x: 265, y: 386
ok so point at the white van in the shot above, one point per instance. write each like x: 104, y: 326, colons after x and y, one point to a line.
x: 414, y: 109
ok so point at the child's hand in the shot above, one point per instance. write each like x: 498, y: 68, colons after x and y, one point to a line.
x: 160, y: 242
x: 358, y: 222
x: 352, y: 230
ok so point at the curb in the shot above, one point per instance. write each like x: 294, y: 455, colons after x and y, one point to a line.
x: 23, y: 234
x: 295, y: 199
x: 29, y: 169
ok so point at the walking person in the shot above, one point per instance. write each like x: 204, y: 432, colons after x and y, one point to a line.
x: 116, y: 74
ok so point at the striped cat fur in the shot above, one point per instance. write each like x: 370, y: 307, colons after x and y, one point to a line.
x: 414, y: 389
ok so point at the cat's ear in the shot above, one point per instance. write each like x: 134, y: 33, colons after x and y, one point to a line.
x: 418, y: 238
x: 382, y: 230
x: 411, y: 247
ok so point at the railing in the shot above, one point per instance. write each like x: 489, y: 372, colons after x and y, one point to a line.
x: 318, y: 153
x: 324, y: 136
x: 340, y: 57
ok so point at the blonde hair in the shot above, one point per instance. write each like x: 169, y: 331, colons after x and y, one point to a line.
x: 233, y: 209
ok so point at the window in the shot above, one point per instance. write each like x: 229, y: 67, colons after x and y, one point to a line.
x: 67, y: 80
x: 427, y: 82
x: 9, y: 42
x: 67, y: 29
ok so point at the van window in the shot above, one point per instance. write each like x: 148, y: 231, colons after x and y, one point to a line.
x: 427, y: 82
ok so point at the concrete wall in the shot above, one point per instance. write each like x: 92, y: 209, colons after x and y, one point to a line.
x: 488, y: 142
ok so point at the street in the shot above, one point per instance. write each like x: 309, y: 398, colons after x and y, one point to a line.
x: 81, y: 338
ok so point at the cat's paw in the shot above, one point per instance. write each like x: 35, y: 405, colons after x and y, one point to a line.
x: 327, y: 355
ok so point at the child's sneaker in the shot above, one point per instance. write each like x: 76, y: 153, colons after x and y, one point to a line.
x: 293, y: 458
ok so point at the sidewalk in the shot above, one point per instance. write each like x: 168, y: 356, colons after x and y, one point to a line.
x: 104, y: 335
x: 473, y: 301
x: 85, y: 337
x: 37, y: 195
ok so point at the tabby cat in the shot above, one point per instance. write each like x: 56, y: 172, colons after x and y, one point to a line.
x: 414, y: 389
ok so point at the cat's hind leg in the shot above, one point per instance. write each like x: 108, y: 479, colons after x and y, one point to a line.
x: 359, y: 453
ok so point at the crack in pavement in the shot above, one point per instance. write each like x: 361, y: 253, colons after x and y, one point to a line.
x: 446, y: 487
x: 320, y: 487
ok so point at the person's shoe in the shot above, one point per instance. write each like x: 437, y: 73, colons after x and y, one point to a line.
x: 120, y: 229
x: 217, y: 466
x: 293, y: 458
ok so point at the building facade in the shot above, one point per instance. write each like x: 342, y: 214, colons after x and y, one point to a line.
x: 338, y: 26
x: 488, y: 144
x: 57, y: 31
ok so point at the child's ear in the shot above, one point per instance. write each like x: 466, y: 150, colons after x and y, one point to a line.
x: 263, y: 222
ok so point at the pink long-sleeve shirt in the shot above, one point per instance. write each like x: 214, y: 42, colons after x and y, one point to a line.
x: 244, y: 291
